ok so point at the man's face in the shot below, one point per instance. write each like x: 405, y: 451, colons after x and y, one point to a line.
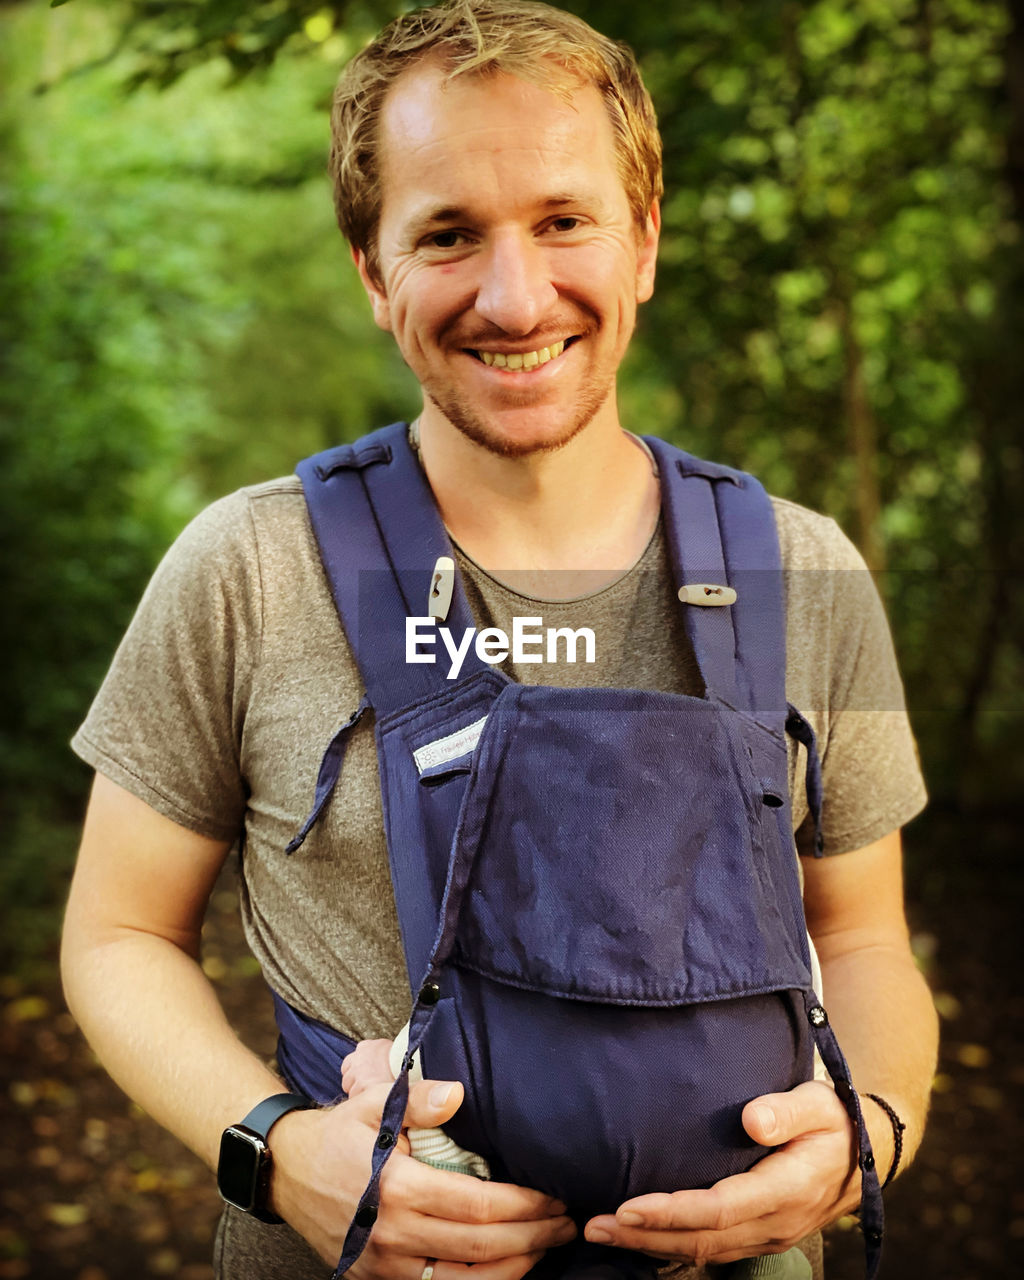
x: 510, y: 263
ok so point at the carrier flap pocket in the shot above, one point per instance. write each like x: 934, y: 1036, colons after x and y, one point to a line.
x: 614, y: 845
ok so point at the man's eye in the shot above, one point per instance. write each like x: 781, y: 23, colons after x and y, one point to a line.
x: 444, y: 239
x: 568, y: 223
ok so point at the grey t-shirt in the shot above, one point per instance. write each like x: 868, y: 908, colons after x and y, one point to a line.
x: 235, y: 674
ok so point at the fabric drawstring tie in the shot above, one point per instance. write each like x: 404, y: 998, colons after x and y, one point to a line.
x: 798, y: 728
x: 330, y: 771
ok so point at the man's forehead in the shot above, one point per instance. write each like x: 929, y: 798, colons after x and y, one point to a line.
x: 427, y: 100
x: 444, y: 142
x: 545, y: 75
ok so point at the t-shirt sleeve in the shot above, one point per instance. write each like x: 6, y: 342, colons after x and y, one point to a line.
x: 849, y: 687
x: 870, y: 764
x: 167, y: 721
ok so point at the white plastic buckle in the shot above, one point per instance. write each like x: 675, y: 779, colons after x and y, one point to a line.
x: 706, y: 593
x: 442, y: 584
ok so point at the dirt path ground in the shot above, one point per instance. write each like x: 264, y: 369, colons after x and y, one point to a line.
x: 92, y: 1189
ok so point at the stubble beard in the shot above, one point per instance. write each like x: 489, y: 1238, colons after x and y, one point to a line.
x: 481, y: 431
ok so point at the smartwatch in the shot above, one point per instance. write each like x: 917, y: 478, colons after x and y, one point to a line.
x: 243, y: 1169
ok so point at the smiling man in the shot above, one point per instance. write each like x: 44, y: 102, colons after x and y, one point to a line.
x: 616, y: 836
x: 508, y: 263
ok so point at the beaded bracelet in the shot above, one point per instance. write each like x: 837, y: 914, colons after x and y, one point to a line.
x: 898, y: 1128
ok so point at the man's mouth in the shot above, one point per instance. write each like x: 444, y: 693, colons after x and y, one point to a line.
x: 522, y: 360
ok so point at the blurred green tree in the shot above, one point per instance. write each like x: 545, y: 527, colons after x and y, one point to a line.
x: 839, y: 309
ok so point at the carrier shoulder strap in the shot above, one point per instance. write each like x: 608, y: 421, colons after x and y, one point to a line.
x: 721, y: 531
x: 380, y: 535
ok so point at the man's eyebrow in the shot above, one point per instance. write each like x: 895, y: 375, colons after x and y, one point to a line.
x: 573, y: 199
x: 439, y: 213
x: 559, y: 201
x: 433, y: 216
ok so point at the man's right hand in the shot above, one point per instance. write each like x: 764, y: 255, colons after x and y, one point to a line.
x: 491, y: 1230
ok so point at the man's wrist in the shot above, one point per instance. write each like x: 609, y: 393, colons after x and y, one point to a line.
x: 882, y: 1133
x: 288, y: 1151
x: 889, y: 1156
x: 244, y: 1160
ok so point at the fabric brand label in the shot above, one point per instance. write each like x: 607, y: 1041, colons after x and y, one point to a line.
x: 450, y: 747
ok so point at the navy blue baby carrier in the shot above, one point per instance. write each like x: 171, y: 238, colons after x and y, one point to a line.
x: 597, y: 888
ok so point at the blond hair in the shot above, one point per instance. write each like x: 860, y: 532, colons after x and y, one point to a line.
x: 535, y: 42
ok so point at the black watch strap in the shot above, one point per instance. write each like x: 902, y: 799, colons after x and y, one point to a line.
x: 266, y: 1114
x: 243, y: 1167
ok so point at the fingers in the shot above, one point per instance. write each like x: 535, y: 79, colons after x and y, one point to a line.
x: 366, y: 1065
x: 773, y: 1184
x: 780, y: 1117
x: 803, y: 1184
x: 437, y: 1193
x: 455, y: 1197
x: 467, y: 1243
x: 719, y: 1209
x: 747, y: 1240
x: 367, y: 1104
x: 370, y: 1267
x: 456, y: 1218
x: 701, y: 1236
x: 506, y: 1269
x: 432, y: 1102
x: 321, y: 1164
x: 742, y: 1197
x: 809, y: 1123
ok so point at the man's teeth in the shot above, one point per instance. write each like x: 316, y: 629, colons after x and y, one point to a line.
x: 521, y: 359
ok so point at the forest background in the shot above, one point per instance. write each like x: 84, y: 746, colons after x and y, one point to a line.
x: 840, y: 309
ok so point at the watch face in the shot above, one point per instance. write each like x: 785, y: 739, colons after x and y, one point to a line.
x: 238, y: 1169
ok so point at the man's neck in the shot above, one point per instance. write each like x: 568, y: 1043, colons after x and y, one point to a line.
x: 535, y: 521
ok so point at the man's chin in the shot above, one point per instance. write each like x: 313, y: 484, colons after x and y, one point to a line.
x: 511, y: 446
x: 522, y: 438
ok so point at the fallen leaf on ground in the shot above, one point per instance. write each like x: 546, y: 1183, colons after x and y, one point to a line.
x: 67, y: 1215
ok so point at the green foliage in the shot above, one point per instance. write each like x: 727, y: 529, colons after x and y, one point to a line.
x: 839, y: 309
x: 168, y: 38
x: 166, y: 335
x: 76, y: 442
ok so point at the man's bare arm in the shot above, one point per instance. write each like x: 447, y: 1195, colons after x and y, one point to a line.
x: 133, y: 982
x: 877, y: 1000
x: 129, y: 960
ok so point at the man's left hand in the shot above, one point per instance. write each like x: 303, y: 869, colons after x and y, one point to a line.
x: 809, y: 1179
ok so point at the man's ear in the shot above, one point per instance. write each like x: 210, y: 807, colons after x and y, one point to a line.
x: 374, y: 291
x: 648, y: 254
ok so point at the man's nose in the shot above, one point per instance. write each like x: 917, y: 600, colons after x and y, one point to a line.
x: 515, y: 288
